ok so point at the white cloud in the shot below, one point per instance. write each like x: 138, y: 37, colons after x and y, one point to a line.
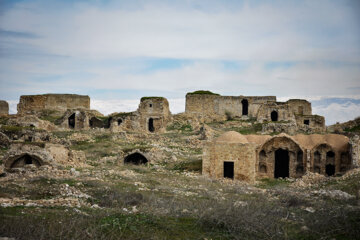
x: 338, y: 112
x: 265, y: 32
x: 128, y: 105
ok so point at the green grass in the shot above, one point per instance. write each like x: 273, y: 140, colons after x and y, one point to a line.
x: 3, y: 120
x: 253, y: 129
x: 203, y: 92
x: 180, y: 127
x: 147, y: 98
x: 14, y: 129
x: 63, y: 223
x: 272, y: 182
x: 193, y: 166
x: 353, y: 129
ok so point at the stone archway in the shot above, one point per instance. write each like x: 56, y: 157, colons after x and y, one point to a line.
x: 280, y: 156
x: 25, y: 159
x: 135, y: 158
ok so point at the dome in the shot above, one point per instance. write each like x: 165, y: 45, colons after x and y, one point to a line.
x: 233, y: 137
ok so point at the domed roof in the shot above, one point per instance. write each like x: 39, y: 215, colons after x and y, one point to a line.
x: 233, y: 137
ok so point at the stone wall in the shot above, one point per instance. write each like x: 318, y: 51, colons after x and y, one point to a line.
x: 4, y: 108
x: 282, y: 111
x: 211, y: 107
x: 58, y: 102
x: 242, y: 155
x: 154, y: 113
x: 310, y: 123
x: 299, y: 106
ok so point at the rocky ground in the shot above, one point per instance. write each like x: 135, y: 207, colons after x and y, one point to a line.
x: 168, y: 198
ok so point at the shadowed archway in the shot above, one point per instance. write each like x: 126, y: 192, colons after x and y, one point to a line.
x: 135, y: 158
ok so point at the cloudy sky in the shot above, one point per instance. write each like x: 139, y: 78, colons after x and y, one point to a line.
x: 119, y: 51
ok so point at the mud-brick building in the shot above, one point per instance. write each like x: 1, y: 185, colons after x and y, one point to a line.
x: 208, y: 107
x: 248, y: 157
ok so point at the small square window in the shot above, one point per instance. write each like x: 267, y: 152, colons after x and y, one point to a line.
x: 307, y: 122
x: 150, y: 105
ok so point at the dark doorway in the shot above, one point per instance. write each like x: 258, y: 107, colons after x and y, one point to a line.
x: 330, y: 170
x: 330, y: 157
x: 72, y: 121
x: 281, y: 163
x: 307, y: 122
x: 317, y: 157
x: 135, y: 158
x: 108, y: 123
x: 119, y: 121
x: 28, y: 159
x: 245, y: 107
x: 274, y: 116
x: 229, y: 170
x: 151, y: 125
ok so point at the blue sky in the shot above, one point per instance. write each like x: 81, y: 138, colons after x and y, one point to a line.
x: 122, y: 50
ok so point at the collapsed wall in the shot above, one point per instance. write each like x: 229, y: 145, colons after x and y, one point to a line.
x: 58, y: 102
x: 152, y: 115
x: 4, y: 108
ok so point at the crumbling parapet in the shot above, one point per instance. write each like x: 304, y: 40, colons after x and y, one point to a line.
x: 4, y: 108
x: 58, y: 102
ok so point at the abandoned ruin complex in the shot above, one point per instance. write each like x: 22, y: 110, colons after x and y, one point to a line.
x: 302, y: 145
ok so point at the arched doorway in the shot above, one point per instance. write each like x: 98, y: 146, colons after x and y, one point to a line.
x: 245, y: 107
x: 151, y: 125
x: 274, y: 116
x: 330, y: 163
x: 135, y: 158
x: 23, y: 160
x: 71, y: 121
x: 281, y: 163
x: 108, y: 123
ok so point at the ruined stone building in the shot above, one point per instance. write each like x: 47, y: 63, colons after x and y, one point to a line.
x: 208, y: 107
x: 247, y: 157
x: 152, y: 115
x: 4, y: 108
x: 58, y: 102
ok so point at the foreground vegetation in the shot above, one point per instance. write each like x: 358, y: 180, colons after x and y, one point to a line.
x: 170, y: 199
